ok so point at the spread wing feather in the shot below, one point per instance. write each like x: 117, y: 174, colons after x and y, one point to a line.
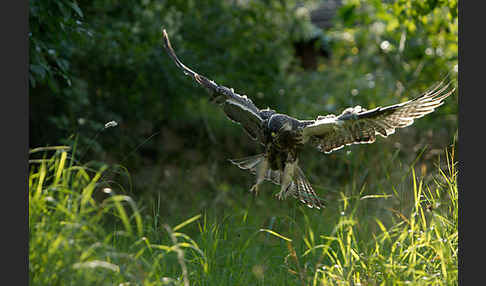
x: 238, y: 108
x: 357, y: 125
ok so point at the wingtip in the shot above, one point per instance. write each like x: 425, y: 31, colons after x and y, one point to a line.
x: 165, y: 35
x: 167, y: 44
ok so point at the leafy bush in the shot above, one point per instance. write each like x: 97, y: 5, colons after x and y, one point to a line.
x: 113, y: 67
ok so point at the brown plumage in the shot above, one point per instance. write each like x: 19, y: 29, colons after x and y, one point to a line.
x: 282, y: 136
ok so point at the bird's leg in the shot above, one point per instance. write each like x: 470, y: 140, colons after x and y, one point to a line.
x: 254, y: 189
x: 288, y: 174
x: 261, y: 170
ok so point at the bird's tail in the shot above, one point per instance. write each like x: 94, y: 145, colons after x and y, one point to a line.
x: 302, y: 190
x: 299, y: 188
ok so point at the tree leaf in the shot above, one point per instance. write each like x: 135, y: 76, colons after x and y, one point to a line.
x: 76, y: 8
x: 38, y: 70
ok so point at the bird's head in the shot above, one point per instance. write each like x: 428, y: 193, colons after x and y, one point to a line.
x: 277, y: 125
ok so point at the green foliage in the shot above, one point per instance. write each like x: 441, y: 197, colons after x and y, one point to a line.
x: 119, y: 71
x: 56, y: 33
x: 420, y: 248
x: 85, y: 230
x: 382, y: 52
x: 55, y: 27
x: 122, y: 73
x: 93, y: 62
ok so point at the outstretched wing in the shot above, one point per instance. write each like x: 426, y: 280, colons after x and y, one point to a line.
x: 238, y: 108
x: 358, y: 125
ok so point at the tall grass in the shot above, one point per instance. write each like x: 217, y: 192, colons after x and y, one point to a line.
x: 421, y: 248
x: 77, y: 237
x: 85, y: 230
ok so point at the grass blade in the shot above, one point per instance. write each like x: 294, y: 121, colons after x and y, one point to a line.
x: 276, y: 234
x: 181, y: 225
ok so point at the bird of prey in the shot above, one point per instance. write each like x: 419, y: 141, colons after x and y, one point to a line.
x: 282, y: 136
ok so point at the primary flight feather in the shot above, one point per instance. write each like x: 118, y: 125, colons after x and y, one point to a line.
x: 282, y: 135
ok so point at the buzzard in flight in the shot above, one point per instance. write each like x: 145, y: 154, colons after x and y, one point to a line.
x: 282, y: 135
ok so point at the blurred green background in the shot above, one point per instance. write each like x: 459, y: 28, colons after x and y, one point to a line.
x: 92, y: 62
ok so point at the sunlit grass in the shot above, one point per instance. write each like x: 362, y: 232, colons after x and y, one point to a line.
x: 85, y: 230
x: 77, y: 238
x: 420, y: 249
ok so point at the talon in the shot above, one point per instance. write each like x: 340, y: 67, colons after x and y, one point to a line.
x: 254, y: 189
